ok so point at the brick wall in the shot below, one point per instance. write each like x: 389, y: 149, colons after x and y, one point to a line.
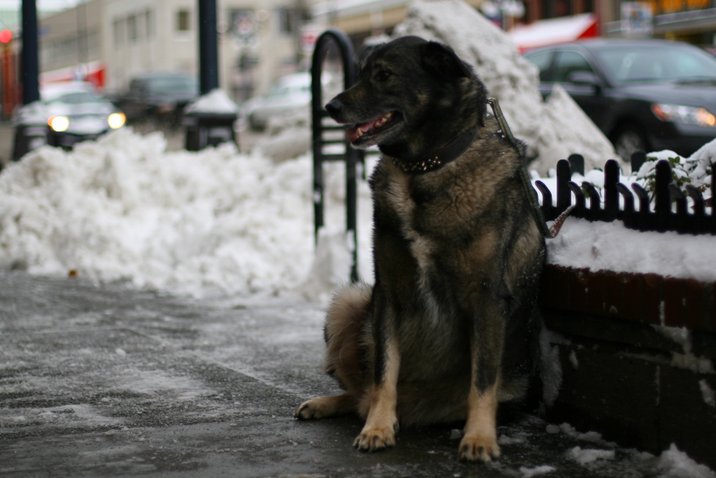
x: 637, y: 354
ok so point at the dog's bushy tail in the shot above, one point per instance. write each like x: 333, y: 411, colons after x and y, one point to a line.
x: 344, y: 331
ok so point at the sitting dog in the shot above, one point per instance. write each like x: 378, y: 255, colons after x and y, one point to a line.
x: 448, y: 329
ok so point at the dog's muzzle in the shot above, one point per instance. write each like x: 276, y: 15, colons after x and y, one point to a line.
x: 335, y: 109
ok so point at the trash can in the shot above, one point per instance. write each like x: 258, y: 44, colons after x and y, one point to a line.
x: 205, y: 129
x: 31, y: 130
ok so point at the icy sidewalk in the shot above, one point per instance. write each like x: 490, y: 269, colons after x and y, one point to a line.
x: 118, y: 382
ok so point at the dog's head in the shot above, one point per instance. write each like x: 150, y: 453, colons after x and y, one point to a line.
x: 408, y: 88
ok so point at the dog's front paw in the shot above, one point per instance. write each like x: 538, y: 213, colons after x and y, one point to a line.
x: 479, y: 448
x: 375, y: 438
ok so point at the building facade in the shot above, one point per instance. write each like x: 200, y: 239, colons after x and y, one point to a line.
x: 693, y: 21
x: 119, y: 39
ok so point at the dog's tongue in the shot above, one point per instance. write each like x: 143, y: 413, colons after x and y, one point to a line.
x: 355, y: 132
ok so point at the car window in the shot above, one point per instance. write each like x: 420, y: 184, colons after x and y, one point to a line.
x: 667, y: 63
x: 569, y: 62
x: 542, y: 60
x: 76, y: 98
x: 173, y: 83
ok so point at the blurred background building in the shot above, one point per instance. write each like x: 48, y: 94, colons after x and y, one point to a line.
x: 111, y: 41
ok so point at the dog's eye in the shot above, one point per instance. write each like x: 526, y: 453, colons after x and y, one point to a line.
x: 382, y: 75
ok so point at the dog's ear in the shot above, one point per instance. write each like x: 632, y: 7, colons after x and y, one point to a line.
x: 442, y: 60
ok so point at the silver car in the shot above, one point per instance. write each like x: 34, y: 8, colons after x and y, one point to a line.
x: 75, y: 112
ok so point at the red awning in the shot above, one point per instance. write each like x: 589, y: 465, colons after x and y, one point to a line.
x: 94, y: 72
x: 554, y: 30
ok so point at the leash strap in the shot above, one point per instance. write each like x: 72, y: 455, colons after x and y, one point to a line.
x: 524, y: 178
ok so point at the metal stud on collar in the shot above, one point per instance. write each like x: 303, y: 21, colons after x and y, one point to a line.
x: 424, y: 166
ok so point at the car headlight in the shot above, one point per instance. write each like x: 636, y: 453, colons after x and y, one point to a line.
x: 59, y: 123
x: 116, y: 120
x: 684, y: 114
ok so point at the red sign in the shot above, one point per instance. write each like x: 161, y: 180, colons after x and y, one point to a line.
x: 5, y: 36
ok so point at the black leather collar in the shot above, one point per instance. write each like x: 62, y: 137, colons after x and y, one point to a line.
x: 443, y: 155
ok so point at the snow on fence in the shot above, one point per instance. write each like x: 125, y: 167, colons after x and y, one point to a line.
x: 632, y: 204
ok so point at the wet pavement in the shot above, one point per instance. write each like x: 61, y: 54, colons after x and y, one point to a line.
x: 113, y: 381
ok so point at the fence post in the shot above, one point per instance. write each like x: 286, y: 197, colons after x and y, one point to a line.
x: 564, y: 194
x: 611, y: 194
x: 351, y: 155
x: 662, y: 206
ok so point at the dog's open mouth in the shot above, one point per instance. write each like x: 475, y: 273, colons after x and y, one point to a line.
x: 364, y: 132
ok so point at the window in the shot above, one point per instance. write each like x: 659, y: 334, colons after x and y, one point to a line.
x: 183, y: 19
x: 242, y: 22
x: 132, y: 29
x: 118, y: 27
x: 287, y: 20
x: 542, y: 60
x: 569, y: 62
x: 149, y: 23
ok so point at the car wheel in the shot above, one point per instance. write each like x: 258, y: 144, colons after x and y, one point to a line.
x: 628, y: 140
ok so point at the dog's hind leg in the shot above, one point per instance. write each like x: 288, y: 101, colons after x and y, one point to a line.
x: 326, y: 407
x: 345, y: 322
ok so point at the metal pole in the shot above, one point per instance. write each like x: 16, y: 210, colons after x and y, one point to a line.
x: 29, y: 53
x: 208, y: 47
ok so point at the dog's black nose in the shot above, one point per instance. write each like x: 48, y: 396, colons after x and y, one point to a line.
x: 335, y: 108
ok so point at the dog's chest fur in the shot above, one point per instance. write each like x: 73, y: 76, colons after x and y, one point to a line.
x: 434, y: 221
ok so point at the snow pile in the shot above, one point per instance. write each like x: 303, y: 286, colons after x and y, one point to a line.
x: 34, y: 113
x: 610, y: 246
x: 527, y: 472
x: 552, y: 130
x: 676, y: 464
x: 216, y: 101
x: 585, y: 456
x: 696, y: 170
x: 125, y: 209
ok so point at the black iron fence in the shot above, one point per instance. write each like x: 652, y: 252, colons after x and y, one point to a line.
x: 667, y: 208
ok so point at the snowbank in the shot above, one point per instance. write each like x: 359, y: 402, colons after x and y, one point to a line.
x: 216, y: 101
x: 611, y: 246
x: 219, y: 221
x: 124, y: 209
x: 552, y: 130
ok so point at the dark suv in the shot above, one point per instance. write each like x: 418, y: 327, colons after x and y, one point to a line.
x: 158, y: 96
x: 644, y: 95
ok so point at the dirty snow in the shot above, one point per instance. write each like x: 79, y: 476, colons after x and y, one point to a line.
x: 585, y: 456
x: 674, y: 463
x: 529, y: 472
x: 610, y: 246
x: 215, y: 101
x: 707, y: 393
x: 125, y: 209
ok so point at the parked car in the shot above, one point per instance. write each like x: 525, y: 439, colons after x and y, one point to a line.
x: 159, y: 96
x: 643, y: 94
x: 76, y: 112
x: 290, y: 95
